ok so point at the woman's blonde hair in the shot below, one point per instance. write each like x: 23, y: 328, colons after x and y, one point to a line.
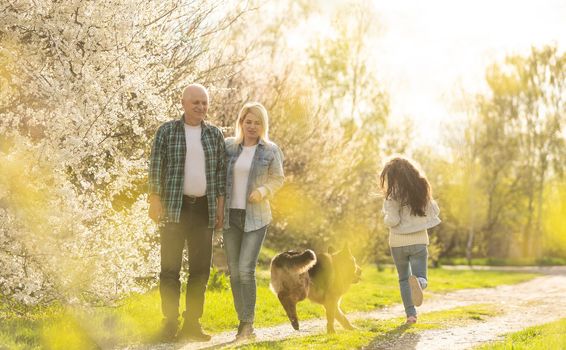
x: 258, y: 110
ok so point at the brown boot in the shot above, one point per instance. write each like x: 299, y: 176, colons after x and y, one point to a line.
x: 192, y: 331
x: 168, y: 331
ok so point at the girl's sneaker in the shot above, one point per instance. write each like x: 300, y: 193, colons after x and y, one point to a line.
x: 411, y: 320
x: 416, y: 291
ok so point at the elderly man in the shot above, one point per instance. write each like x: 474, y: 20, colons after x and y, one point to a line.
x: 187, y: 177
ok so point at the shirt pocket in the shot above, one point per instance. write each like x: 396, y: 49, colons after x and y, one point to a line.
x: 262, y: 166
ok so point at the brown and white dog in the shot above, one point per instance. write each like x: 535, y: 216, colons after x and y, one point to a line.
x: 322, y: 278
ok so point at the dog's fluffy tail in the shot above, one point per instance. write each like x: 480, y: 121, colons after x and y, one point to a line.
x: 287, y: 267
x: 294, y: 261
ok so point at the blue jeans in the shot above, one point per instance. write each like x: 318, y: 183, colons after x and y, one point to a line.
x: 242, y: 250
x: 409, y: 260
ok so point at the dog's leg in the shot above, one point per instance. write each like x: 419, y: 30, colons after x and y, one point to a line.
x: 330, y: 307
x: 290, y: 307
x: 342, y: 319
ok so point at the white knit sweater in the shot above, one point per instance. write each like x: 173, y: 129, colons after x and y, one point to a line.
x: 400, y: 221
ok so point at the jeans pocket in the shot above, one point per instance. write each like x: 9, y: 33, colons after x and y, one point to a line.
x: 419, y: 249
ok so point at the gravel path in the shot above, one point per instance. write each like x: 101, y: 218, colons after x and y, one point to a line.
x: 527, y: 304
x: 534, y: 302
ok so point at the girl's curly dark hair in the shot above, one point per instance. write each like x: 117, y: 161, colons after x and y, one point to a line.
x: 406, y: 184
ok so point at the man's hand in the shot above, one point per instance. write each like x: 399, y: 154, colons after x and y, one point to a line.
x: 255, y: 197
x: 219, y: 213
x: 155, y: 208
x: 219, y: 220
x: 218, y: 239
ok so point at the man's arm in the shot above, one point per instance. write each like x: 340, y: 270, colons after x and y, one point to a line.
x: 155, y: 207
x: 221, y: 165
x: 156, y: 163
x: 219, y: 213
x: 221, y: 180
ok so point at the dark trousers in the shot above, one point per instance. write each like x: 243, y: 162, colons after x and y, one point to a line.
x: 193, y: 229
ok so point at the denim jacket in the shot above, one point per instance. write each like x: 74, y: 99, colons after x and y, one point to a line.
x: 266, y: 173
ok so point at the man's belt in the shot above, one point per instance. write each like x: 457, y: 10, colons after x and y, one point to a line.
x: 192, y: 199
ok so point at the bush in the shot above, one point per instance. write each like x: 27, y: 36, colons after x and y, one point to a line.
x: 218, y: 281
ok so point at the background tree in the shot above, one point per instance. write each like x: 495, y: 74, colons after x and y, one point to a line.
x: 518, y: 141
x: 83, y: 88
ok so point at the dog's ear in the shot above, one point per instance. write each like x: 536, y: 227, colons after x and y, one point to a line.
x: 331, y: 250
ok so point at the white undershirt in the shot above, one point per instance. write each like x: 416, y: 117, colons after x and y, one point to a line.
x: 242, y: 169
x: 195, y: 173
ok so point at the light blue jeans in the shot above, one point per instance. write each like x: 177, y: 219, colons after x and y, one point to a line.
x: 242, y: 250
x: 410, y: 260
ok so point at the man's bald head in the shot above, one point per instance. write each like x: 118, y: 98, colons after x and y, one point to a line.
x: 193, y: 89
x: 195, y: 103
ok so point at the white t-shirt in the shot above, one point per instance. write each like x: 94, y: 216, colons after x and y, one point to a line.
x: 242, y: 169
x: 195, y: 173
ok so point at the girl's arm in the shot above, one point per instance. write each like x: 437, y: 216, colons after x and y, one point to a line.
x: 434, y: 207
x: 390, y: 212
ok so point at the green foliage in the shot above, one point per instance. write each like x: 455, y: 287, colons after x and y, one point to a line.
x: 331, y: 125
x: 218, y: 281
x: 502, y: 202
x: 554, y: 240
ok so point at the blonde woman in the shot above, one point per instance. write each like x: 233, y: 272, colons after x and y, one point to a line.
x: 254, y: 173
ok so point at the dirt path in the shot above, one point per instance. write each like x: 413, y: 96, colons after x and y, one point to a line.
x: 527, y: 304
x: 534, y: 302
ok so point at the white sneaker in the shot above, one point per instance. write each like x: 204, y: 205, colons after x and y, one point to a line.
x: 416, y: 291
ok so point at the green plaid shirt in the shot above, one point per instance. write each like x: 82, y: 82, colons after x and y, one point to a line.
x: 167, y: 167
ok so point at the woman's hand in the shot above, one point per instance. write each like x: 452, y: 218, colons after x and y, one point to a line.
x: 255, y: 197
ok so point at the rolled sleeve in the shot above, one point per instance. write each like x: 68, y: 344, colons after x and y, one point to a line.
x: 157, y: 161
x: 221, y: 166
x: 275, y: 175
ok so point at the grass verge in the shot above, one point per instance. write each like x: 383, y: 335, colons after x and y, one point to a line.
x: 547, y: 336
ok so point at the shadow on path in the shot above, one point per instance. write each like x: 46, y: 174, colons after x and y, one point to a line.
x: 395, y: 339
x: 223, y: 344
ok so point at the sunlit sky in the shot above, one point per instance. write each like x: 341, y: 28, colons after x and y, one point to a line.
x: 429, y: 51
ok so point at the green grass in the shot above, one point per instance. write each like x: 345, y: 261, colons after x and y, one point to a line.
x: 545, y: 261
x: 380, y: 331
x: 548, y: 336
x: 138, y: 317
x: 442, y: 280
